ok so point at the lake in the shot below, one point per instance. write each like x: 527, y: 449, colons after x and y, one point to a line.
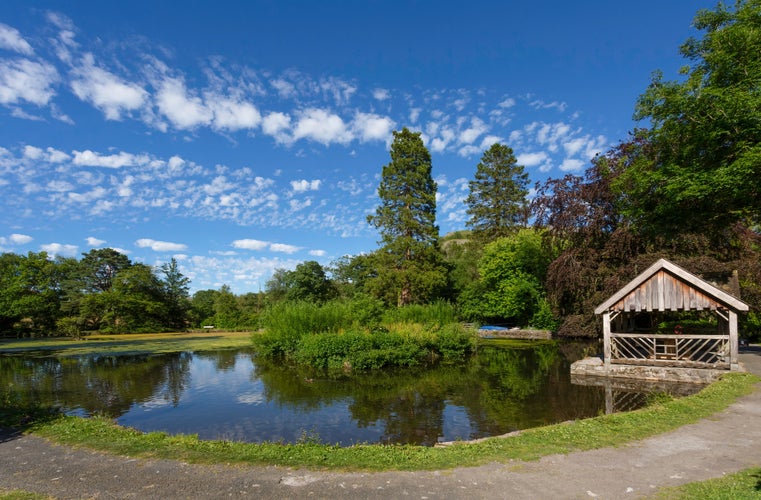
x: 232, y: 395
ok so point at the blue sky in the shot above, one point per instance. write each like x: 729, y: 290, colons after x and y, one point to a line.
x: 244, y: 136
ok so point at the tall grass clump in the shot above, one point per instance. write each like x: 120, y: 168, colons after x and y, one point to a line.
x: 437, y: 313
x: 286, y: 323
x: 352, y: 335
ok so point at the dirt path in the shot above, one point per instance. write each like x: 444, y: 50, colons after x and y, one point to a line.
x: 728, y: 442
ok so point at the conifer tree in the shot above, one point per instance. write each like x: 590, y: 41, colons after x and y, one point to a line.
x: 409, y: 262
x: 497, y: 202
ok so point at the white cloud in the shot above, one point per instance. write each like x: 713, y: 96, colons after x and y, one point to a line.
x: 470, y: 134
x: 94, y: 242
x: 50, y: 155
x: 25, y: 80
x: 321, y: 126
x: 532, y: 159
x: 89, y: 158
x: 107, y: 92
x: 372, y: 127
x: 305, y: 185
x: 248, y: 244
x: 539, y: 104
x: 183, y: 110
x: 160, y: 246
x: 317, y: 253
x: 281, y: 247
x: 15, y: 239
x: 63, y: 250
x: 381, y: 94
x: 285, y: 88
x: 232, y: 114
x: 507, y: 103
x: 277, y: 125
x: 11, y: 39
x: 571, y: 165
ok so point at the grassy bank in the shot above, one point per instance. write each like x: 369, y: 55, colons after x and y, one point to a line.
x: 744, y: 485
x: 609, y: 430
x: 138, y: 343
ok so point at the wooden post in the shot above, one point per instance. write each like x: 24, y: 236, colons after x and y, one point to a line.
x: 606, y: 339
x: 734, y: 364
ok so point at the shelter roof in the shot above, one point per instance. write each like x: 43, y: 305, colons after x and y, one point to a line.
x: 664, y: 286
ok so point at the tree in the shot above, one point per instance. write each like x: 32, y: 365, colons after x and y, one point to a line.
x: 309, y: 282
x: 99, y: 266
x: 175, y: 286
x: 411, y: 265
x: 135, y: 302
x: 29, y: 302
x: 702, y: 172
x: 512, y: 271
x: 497, y: 202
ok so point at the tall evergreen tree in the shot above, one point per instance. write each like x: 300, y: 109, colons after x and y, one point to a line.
x: 176, y: 293
x: 410, y: 262
x: 497, y: 202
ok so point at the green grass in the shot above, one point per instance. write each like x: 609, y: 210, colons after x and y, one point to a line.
x: 744, y: 485
x: 608, y: 430
x: 128, y: 343
x: 21, y: 495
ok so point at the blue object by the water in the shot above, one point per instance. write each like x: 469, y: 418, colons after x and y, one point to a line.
x: 493, y: 327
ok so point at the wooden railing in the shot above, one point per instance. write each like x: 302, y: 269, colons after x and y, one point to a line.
x: 676, y: 350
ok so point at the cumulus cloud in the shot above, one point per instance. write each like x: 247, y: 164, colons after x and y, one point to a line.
x: 372, y: 127
x: 321, y: 126
x: 89, y: 158
x: 258, y: 245
x: 25, y: 80
x: 571, y: 165
x: 248, y: 244
x: 184, y: 110
x: 282, y: 247
x: 305, y: 185
x: 233, y: 114
x: 11, y: 39
x: 277, y: 124
x: 381, y: 94
x: 532, y: 159
x: 94, y: 242
x: 104, y: 90
x: 317, y: 253
x: 61, y: 249
x: 508, y: 102
x: 160, y: 246
x: 15, y: 239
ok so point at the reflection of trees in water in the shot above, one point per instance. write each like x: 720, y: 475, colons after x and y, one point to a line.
x: 107, y: 385
x: 507, y: 386
x: 224, y: 359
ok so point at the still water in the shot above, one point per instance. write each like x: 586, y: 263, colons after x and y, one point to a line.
x: 235, y: 396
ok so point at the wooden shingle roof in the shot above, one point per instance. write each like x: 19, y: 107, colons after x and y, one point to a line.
x: 664, y: 286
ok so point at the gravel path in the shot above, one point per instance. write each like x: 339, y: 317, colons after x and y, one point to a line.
x: 728, y: 442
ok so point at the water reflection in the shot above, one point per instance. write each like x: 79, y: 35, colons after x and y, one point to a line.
x: 232, y: 395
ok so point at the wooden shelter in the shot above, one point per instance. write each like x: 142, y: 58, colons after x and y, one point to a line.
x: 628, y: 326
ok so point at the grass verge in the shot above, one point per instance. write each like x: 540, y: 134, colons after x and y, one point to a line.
x: 744, y: 485
x: 608, y: 430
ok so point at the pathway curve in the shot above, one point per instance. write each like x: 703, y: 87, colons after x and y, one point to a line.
x: 728, y: 442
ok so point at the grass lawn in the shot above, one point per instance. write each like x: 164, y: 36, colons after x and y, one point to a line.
x: 133, y: 343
